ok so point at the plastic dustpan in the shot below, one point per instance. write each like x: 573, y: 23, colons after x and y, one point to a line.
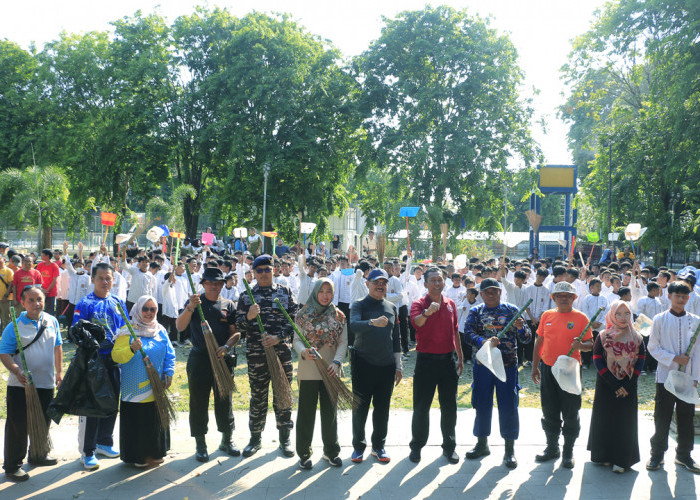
x: 681, y: 385
x: 492, y: 359
x: 567, y: 372
x: 409, y: 211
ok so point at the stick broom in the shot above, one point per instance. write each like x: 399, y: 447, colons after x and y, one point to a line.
x: 586, y: 329
x: 37, y: 428
x: 281, y: 389
x: 223, y: 378
x: 166, y: 412
x: 337, y: 390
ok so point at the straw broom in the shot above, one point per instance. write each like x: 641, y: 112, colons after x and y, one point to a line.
x: 165, y: 409
x: 381, y: 246
x: 40, y: 441
x: 223, y: 378
x: 281, y: 389
x: 337, y: 390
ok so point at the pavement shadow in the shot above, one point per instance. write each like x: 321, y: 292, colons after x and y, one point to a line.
x: 618, y: 485
x: 405, y: 479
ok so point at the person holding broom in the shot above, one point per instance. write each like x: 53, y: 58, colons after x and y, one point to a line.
x: 278, y: 334
x: 142, y: 439
x: 220, y: 313
x: 322, y: 324
x: 44, y: 357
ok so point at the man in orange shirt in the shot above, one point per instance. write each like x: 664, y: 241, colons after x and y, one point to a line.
x: 557, y: 333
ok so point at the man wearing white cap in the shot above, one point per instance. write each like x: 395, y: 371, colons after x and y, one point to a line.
x: 557, y: 333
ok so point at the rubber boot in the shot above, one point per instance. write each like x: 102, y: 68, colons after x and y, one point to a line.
x: 551, y: 452
x: 509, y: 457
x: 253, y: 446
x: 227, y: 445
x: 567, y: 456
x: 480, y: 450
x: 285, y: 443
x: 201, y: 454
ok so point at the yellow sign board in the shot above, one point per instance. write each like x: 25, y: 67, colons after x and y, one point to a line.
x: 557, y: 177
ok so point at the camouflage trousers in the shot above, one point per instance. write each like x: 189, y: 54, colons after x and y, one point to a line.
x: 259, y: 379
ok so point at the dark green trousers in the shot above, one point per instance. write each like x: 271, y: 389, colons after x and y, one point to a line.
x: 310, y: 391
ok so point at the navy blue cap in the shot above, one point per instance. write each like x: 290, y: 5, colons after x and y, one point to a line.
x: 262, y: 260
x: 378, y: 274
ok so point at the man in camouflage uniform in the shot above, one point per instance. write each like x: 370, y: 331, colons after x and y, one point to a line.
x: 278, y: 334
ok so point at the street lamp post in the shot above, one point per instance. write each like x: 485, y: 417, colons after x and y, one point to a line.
x: 266, y: 172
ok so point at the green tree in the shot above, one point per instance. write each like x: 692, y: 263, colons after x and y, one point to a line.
x: 34, y: 198
x: 443, y: 114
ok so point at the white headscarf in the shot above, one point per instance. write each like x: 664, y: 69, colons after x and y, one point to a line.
x: 141, y: 327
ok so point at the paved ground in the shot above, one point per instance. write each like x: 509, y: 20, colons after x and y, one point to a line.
x: 268, y: 475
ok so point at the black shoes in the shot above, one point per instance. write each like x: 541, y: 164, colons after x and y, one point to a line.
x: 285, y: 443
x: 655, y: 462
x: 452, y: 458
x: 509, y: 457
x: 334, y: 461
x: 201, y: 454
x: 480, y: 450
x: 253, y: 446
x: 228, y: 446
x: 47, y: 461
x: 567, y: 456
x: 687, y: 462
x: 414, y: 456
x: 305, y: 464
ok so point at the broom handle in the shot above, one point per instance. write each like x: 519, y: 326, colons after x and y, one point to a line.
x: 408, y: 236
x: 293, y: 325
x: 19, y: 345
x: 691, y: 345
x: 586, y: 329
x: 515, y: 318
x: 194, y: 292
x: 252, y: 300
x: 131, y: 328
x: 177, y: 251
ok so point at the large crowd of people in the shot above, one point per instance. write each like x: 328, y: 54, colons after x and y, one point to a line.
x: 349, y: 305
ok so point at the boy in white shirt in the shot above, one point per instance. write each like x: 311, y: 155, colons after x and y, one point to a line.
x: 671, y: 334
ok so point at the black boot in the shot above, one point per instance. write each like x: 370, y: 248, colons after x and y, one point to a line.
x: 551, y: 452
x: 228, y: 445
x: 480, y: 450
x: 509, y: 458
x: 567, y: 456
x: 201, y: 454
x: 285, y: 443
x: 253, y: 445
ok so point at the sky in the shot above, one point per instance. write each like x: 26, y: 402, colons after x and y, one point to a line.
x: 541, y: 31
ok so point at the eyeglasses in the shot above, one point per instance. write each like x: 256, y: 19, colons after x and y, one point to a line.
x: 263, y: 270
x: 35, y: 285
x: 149, y: 309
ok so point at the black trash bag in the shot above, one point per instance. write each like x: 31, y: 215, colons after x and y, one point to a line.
x: 86, y: 389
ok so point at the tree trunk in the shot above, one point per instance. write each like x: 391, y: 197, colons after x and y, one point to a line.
x: 46, y: 237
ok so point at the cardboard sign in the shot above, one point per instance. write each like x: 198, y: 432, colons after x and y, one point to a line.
x: 207, y: 238
x: 270, y: 234
x: 180, y: 236
x: 108, y: 219
x: 308, y: 227
x: 240, y: 232
x: 408, y: 211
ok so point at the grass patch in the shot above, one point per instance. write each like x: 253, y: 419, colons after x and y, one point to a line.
x: 401, y: 399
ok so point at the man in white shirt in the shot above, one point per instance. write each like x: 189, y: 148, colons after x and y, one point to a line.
x: 456, y: 290
x: 141, y: 279
x: 671, y: 334
x: 518, y: 296
x: 590, y: 305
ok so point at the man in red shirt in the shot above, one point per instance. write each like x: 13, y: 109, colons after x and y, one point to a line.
x: 438, y: 364
x: 557, y: 333
x: 25, y: 276
x: 49, y: 280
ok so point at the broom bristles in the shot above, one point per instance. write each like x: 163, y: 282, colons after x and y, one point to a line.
x: 338, y: 392
x: 222, y: 375
x: 281, y: 389
x: 165, y: 409
x: 39, y: 439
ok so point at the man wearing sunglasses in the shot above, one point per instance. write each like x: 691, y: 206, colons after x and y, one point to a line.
x: 278, y: 333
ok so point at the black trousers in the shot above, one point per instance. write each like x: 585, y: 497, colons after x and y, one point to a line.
x: 403, y: 328
x: 311, y: 392
x: 467, y: 349
x: 50, y: 305
x: 372, y: 384
x: 345, y: 308
x: 557, y: 406
x: 587, y: 356
x: 16, y: 436
x: 201, y: 382
x: 412, y: 332
x: 664, y: 403
x: 434, y: 371
x: 93, y: 430
x: 650, y: 362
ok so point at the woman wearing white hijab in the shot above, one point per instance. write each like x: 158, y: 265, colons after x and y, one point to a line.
x: 618, y: 355
x: 142, y: 442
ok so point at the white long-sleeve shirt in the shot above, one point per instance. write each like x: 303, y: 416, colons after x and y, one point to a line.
x: 359, y: 289
x: 343, y: 287
x: 79, y: 283
x: 650, y: 307
x: 591, y: 304
x: 540, y: 300
x: 141, y: 282
x: 394, y: 291
x: 670, y: 337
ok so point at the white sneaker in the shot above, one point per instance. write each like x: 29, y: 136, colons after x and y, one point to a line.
x: 617, y: 469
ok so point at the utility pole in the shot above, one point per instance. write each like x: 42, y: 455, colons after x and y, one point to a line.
x: 266, y: 172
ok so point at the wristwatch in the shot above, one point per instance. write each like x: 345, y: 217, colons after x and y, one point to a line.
x: 424, y: 313
x: 370, y: 323
x: 336, y: 362
x: 228, y: 347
